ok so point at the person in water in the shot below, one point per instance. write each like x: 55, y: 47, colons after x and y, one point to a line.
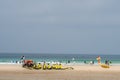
x: 107, y: 62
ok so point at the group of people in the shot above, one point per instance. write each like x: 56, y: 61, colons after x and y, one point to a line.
x: 31, y: 64
x: 107, y: 62
x: 91, y: 62
x: 45, y: 66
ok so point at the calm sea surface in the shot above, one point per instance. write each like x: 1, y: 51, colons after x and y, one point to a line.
x: 62, y: 58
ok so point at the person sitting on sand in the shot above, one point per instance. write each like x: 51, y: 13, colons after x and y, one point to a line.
x: 44, y: 66
x: 49, y: 66
x: 60, y: 66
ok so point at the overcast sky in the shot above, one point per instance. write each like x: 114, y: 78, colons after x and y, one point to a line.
x: 60, y: 26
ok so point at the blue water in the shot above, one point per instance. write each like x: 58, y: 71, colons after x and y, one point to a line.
x: 62, y: 58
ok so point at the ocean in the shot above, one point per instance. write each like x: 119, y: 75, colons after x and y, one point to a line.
x: 80, y: 59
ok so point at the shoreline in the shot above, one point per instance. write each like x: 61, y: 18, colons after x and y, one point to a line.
x: 5, y: 67
x: 68, y: 64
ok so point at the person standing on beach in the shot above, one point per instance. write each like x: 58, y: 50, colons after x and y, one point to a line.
x: 22, y: 59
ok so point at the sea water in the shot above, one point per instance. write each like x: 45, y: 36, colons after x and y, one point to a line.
x: 61, y: 58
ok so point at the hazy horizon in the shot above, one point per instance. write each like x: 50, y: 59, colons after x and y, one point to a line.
x: 24, y: 54
x: 60, y: 26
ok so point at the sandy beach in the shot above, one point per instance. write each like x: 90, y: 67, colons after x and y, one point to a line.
x: 81, y: 72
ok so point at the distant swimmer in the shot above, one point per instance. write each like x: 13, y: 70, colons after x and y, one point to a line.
x: 73, y: 59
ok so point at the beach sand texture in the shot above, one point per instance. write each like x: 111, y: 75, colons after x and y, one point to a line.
x: 83, y: 72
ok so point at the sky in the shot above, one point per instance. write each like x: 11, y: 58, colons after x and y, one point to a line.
x: 60, y: 26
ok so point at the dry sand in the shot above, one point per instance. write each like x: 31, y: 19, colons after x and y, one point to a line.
x: 83, y: 72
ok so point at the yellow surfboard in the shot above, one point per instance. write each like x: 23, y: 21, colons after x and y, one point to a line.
x: 104, y: 66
